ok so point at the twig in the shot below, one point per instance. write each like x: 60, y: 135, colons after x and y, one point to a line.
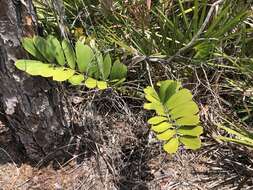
x: 149, y: 74
x: 200, y: 31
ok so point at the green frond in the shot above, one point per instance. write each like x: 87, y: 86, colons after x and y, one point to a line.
x: 94, y: 70
x: 177, y: 119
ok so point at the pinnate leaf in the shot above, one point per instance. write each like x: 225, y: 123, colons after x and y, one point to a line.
x: 29, y: 46
x: 167, y: 89
x: 161, y: 127
x: 180, y: 97
x: 190, y: 131
x: 76, y: 79
x: 151, y: 95
x: 156, y: 120
x: 107, y: 66
x: 191, y: 142
x: 118, y: 71
x: 69, y: 54
x: 56, y: 49
x: 188, y: 109
x: 167, y: 135
x: 62, y: 74
x: 43, y: 47
x: 91, y: 83
x: 171, y: 146
x: 158, y: 107
x: 191, y: 120
x: 101, y: 85
x: 31, y: 67
x: 84, y: 56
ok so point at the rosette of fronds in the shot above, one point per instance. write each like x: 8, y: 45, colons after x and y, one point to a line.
x: 83, y: 66
x: 177, y: 120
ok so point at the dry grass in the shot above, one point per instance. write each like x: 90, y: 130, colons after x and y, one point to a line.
x: 113, y: 149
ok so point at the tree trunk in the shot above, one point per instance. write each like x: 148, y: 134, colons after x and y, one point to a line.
x: 30, y: 107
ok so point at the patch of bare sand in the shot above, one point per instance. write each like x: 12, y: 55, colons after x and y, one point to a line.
x: 72, y: 176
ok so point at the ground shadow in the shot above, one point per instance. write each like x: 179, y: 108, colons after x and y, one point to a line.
x: 135, y: 173
x: 10, y: 151
x: 134, y: 170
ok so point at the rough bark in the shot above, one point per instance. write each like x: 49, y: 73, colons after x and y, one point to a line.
x: 30, y: 107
